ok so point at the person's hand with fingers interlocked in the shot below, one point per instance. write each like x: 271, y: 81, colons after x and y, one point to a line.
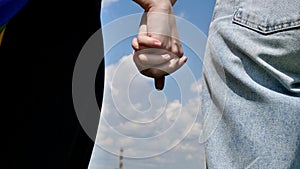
x: 157, y: 48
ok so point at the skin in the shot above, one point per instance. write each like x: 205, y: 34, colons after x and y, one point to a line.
x: 157, y: 48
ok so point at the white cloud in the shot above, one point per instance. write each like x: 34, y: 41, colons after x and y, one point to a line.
x: 144, y: 122
x: 196, y: 86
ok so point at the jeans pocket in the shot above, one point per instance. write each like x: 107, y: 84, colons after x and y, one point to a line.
x: 267, y: 16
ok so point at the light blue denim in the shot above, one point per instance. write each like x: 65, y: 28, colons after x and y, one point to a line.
x: 251, y: 85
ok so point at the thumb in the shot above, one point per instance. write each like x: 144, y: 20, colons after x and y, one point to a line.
x: 159, y: 82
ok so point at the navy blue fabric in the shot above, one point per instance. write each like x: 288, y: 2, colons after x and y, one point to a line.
x: 8, y: 8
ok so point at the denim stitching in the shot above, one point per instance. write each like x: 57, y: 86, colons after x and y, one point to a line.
x: 266, y: 29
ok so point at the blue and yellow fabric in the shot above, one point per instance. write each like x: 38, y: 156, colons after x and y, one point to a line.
x: 8, y: 8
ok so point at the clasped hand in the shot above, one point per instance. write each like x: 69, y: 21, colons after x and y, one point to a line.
x: 157, y: 48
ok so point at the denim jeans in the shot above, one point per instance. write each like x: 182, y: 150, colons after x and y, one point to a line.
x: 251, y: 85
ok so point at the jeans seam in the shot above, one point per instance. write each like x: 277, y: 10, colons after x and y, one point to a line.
x: 265, y: 29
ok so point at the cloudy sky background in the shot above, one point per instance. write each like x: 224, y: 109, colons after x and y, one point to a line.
x: 156, y: 129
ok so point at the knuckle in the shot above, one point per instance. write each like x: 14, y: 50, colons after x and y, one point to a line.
x: 142, y: 58
x: 175, y: 51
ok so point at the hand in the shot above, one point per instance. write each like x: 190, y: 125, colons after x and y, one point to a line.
x: 158, y: 51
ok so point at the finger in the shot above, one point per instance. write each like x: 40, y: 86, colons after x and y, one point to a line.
x: 172, y: 65
x: 143, y: 38
x: 180, y: 51
x: 164, y: 69
x: 148, y: 41
x: 184, y: 58
x: 179, y: 48
x: 152, y: 57
x: 134, y: 44
x: 159, y: 83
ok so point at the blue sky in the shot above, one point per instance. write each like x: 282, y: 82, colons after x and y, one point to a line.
x: 198, y: 12
x: 157, y: 129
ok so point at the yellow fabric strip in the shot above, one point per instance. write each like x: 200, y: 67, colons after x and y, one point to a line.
x: 1, y: 35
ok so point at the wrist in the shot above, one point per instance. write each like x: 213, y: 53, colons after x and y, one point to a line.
x: 163, y: 6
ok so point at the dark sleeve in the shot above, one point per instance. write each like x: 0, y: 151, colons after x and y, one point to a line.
x: 41, y: 44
